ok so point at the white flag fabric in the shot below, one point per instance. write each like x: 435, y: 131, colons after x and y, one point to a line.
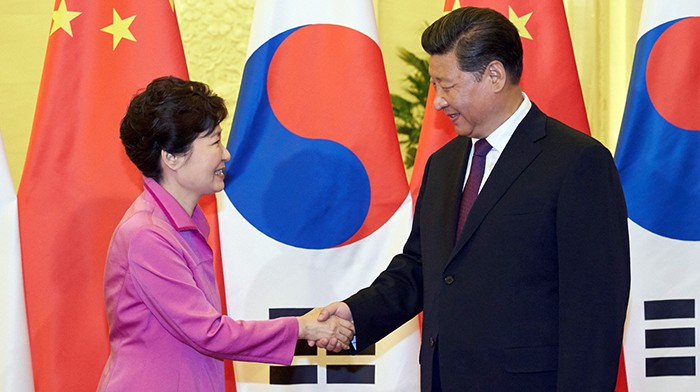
x: 316, y: 200
x: 15, y: 362
x: 658, y: 156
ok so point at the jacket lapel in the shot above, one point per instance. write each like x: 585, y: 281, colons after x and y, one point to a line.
x: 516, y: 157
x: 445, y: 210
x: 456, y: 181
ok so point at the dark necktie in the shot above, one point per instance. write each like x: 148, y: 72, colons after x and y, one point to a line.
x: 471, y: 189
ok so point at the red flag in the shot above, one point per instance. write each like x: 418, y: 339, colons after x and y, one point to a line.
x: 549, y: 75
x: 77, y: 181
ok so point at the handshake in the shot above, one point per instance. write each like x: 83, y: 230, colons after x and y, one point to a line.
x: 331, y: 327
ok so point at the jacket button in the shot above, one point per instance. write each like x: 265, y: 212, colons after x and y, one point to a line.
x: 449, y: 280
x: 432, y: 342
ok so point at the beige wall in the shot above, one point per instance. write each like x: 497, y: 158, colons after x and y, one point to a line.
x: 215, y: 35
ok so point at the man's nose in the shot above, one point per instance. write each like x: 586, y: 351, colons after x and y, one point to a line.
x: 439, y: 102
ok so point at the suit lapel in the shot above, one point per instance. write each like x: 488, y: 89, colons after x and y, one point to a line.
x: 516, y: 157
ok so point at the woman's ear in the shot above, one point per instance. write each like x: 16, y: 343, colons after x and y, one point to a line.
x: 171, y: 161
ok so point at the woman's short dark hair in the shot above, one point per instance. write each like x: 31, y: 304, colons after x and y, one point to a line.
x: 477, y: 36
x: 168, y: 116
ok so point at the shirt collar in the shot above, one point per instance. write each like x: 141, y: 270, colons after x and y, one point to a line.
x: 178, y: 217
x: 500, y: 137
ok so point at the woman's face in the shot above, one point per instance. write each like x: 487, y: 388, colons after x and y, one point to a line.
x: 202, y: 172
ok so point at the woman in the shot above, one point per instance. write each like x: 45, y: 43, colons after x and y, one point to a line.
x: 166, y: 330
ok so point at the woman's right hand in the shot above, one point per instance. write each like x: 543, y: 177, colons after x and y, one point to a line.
x: 312, y: 330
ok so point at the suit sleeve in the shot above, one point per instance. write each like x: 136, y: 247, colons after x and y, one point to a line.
x: 396, y: 296
x: 594, y: 272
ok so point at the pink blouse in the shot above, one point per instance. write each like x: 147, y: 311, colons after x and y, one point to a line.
x: 166, y: 330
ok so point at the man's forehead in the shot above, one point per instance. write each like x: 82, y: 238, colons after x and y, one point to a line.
x: 443, y: 66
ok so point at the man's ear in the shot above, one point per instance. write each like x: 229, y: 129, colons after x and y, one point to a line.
x: 496, y: 75
x: 171, y: 161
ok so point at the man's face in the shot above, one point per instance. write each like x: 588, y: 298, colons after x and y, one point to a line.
x: 467, y: 102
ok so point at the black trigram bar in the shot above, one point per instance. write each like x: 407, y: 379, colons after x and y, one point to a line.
x: 670, y: 366
x: 308, y: 374
x: 350, y: 374
x: 287, y: 312
x: 671, y: 337
x: 302, y: 348
x: 371, y: 350
x: 669, y: 309
x: 289, y: 375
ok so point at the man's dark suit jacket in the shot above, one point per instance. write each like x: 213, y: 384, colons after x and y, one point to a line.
x: 533, y: 295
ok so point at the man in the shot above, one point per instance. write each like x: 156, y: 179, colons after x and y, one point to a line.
x: 531, y: 294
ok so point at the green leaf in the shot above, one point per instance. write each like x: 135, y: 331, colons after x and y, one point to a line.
x: 409, y: 110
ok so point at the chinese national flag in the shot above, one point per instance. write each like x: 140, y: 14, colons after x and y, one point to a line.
x: 549, y: 75
x: 77, y: 180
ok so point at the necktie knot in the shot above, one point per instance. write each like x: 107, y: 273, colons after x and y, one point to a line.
x: 481, y: 148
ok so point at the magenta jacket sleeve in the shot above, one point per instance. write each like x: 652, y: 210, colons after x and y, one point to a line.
x: 180, y: 291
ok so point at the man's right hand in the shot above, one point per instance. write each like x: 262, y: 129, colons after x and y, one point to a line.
x: 340, y: 309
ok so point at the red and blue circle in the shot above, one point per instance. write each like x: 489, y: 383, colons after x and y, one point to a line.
x: 315, y: 159
x: 658, y: 153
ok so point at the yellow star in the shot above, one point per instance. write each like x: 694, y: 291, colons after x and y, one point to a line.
x: 119, y: 29
x: 61, y: 19
x: 520, y: 22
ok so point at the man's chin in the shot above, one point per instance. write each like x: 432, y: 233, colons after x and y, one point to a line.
x: 462, y: 131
